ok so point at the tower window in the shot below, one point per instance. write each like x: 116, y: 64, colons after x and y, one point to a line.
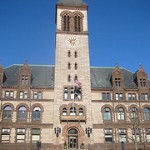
x: 69, y: 66
x: 75, y: 54
x: 75, y: 66
x: 66, y: 22
x: 69, y: 78
x: 69, y: 54
x: 77, y: 23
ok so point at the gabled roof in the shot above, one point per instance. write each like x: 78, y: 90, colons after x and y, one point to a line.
x: 71, y: 2
x: 43, y: 77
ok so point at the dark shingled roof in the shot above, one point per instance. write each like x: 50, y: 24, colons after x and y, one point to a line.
x: 71, y: 2
x: 101, y: 78
x: 43, y: 76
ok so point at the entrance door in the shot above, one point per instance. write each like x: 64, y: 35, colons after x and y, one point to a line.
x: 73, y: 142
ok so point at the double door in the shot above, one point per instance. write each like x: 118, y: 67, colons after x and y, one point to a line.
x: 73, y: 142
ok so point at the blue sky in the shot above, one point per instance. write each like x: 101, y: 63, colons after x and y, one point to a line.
x: 119, y: 32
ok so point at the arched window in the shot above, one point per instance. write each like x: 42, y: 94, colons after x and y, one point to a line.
x: 22, y: 112
x: 77, y: 23
x: 146, y: 113
x: 121, y: 114
x: 7, y: 112
x: 134, y: 113
x: 66, y: 22
x: 107, y: 114
x: 36, y: 113
x: 64, y: 112
x: 72, y: 131
x: 80, y: 111
x: 72, y: 111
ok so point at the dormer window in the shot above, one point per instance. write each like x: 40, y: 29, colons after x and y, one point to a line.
x: 117, y: 81
x: 143, y: 82
x: 24, y: 79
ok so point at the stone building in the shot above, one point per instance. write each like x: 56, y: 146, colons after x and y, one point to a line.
x: 72, y: 105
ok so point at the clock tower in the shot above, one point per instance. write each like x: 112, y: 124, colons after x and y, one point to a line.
x: 72, y: 103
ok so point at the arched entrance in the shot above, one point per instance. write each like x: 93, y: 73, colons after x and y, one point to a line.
x: 72, y: 138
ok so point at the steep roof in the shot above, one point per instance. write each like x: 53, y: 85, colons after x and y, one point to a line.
x: 43, y: 76
x: 71, y: 2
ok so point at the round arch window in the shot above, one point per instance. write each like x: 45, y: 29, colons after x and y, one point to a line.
x: 72, y: 131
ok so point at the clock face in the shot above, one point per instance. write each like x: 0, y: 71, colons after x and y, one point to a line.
x: 72, y: 42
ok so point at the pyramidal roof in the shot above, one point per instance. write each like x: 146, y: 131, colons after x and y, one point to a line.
x: 71, y: 2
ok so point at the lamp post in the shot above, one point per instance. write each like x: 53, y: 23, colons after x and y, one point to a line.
x: 122, y: 145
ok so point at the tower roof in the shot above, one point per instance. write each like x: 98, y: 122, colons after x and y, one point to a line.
x: 71, y: 2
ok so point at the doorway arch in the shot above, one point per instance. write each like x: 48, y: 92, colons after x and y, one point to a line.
x: 72, y: 138
x: 75, y: 131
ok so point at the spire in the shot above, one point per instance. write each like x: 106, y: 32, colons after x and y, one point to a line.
x: 71, y: 2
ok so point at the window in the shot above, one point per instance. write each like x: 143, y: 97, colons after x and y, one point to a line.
x: 23, y: 95
x: 107, y: 114
x: 24, y: 79
x: 143, y: 82
x: 117, y: 81
x: 146, y: 113
x: 81, y: 112
x: 69, y: 78
x: 69, y: 54
x: 119, y: 96
x: 69, y: 66
x: 9, y: 94
x: 134, y: 113
x: 105, y: 96
x: 147, y: 132
x: 35, y: 135
x: 136, y: 134
x: 72, y: 93
x: 36, y: 113
x: 122, y: 135
x: 77, y: 93
x: 75, y: 54
x: 131, y: 96
x: 22, y: 113
x: 37, y: 95
x: 5, y: 135
x: 20, y: 135
x: 65, y: 93
x: 75, y: 66
x: 108, y: 136
x: 77, y: 23
x: 7, y: 112
x: 121, y: 114
x: 72, y: 131
x: 72, y: 111
x: 64, y: 111
x: 144, y: 96
x: 66, y: 22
